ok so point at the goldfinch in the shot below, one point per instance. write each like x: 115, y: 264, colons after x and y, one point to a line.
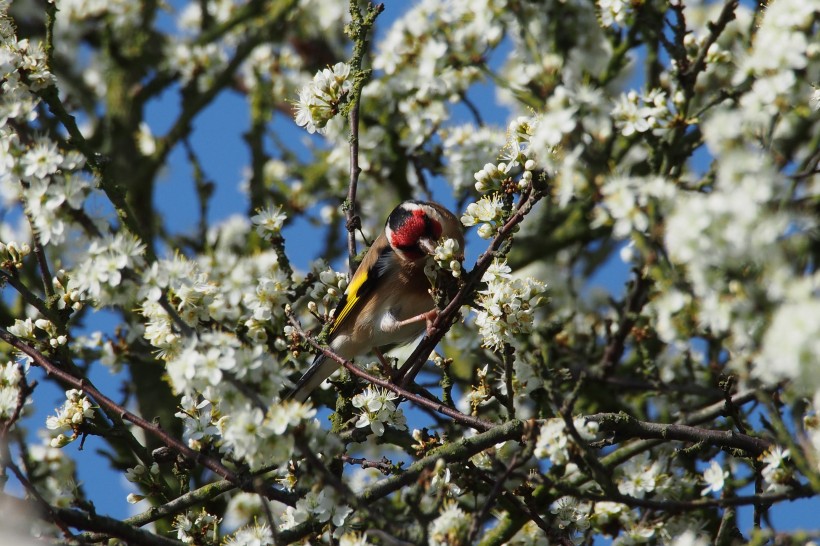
x: 387, y: 301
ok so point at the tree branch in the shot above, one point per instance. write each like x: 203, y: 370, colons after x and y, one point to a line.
x: 679, y: 506
x: 625, y: 425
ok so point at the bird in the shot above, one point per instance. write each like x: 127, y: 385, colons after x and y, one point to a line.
x: 388, y: 300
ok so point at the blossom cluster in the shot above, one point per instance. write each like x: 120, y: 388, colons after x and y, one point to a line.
x: 12, y: 254
x: 450, y: 527
x: 554, y: 442
x: 147, y: 477
x: 328, y: 290
x: 101, y: 275
x: 448, y: 256
x: 377, y: 409
x: 635, y: 114
x: 34, y: 169
x: 506, y: 306
x: 197, y: 527
x: 59, y: 485
x: 466, y: 149
x: 628, y: 203
x: 777, y: 473
x: 321, y: 100
x: 320, y: 507
x: 24, y: 70
x: 422, y: 75
x: 488, y: 213
x: 75, y: 411
x: 11, y: 376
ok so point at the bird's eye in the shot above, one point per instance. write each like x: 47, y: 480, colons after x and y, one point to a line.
x: 433, y: 227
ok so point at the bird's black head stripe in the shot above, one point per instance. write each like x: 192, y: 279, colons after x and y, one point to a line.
x: 398, y: 217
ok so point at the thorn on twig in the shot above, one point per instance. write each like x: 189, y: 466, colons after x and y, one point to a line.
x: 353, y: 224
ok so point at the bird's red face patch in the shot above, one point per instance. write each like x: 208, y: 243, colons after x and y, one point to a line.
x: 406, y: 226
x: 410, y: 230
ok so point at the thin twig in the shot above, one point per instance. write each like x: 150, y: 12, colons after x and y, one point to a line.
x: 319, y: 468
x: 42, y: 262
x: 176, y: 506
x: 475, y: 525
x: 727, y: 14
x: 352, y: 221
x: 634, y: 303
x: 30, y: 297
x: 42, y: 504
x: 358, y: 29
x: 384, y: 466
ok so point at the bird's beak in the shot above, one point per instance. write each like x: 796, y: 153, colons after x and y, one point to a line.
x: 428, y: 245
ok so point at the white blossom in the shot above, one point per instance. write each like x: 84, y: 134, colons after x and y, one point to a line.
x: 441, y: 481
x: 714, y: 477
x: 320, y: 100
x: 777, y: 473
x: 626, y: 201
x: 553, y: 442
x: 75, y: 410
x: 258, y: 534
x: 450, y: 527
x: 448, y: 256
x: 321, y: 507
x: 487, y: 211
x: 571, y: 514
x: 269, y: 222
x: 23, y: 329
x: 198, y: 423
x: 378, y: 410
x: 466, y: 149
x: 614, y: 12
x: 11, y: 376
x: 195, y: 527
x: 689, y: 538
x: 634, y: 113
x: 641, y: 475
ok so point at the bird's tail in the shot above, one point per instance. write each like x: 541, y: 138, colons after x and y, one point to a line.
x: 321, y: 369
